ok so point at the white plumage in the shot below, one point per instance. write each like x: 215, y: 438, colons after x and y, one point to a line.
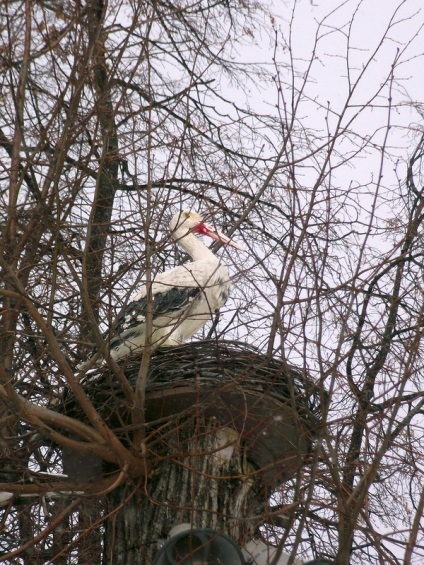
x: 183, y: 299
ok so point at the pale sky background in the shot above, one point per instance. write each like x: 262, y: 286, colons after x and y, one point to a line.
x: 366, y: 28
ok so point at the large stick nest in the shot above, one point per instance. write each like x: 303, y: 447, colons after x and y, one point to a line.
x: 274, y: 407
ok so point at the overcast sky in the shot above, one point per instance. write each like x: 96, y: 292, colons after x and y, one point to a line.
x: 353, y: 28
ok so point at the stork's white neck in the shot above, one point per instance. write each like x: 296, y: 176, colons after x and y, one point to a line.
x: 193, y: 246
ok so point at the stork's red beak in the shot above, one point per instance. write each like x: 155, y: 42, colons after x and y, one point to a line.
x: 207, y: 229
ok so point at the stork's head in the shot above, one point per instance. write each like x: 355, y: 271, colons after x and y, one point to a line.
x: 187, y: 221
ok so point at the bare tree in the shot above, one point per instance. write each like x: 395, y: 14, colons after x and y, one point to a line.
x: 113, y: 116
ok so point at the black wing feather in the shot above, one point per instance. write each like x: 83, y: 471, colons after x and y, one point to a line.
x: 168, y: 302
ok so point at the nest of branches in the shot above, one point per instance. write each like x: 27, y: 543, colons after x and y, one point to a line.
x: 207, y: 364
x: 273, y: 407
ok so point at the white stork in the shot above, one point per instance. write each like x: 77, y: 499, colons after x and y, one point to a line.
x: 183, y: 299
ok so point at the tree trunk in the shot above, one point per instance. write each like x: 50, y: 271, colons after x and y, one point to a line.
x: 202, y: 480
